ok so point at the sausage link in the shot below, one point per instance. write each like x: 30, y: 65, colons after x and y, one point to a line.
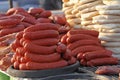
x: 72, y: 60
x: 64, y: 39
x: 79, y: 43
x: 67, y: 55
x: 17, y: 42
x: 19, y: 35
x: 42, y: 26
x: 80, y: 56
x: 9, y: 23
x: 42, y: 58
x: 61, y: 48
x: 23, y: 41
x: 16, y: 65
x: 41, y: 66
x: 30, y: 47
x: 44, y: 20
x: 46, y: 41
x: 20, y: 50
x: 45, y: 14
x: 34, y: 11
x: 13, y: 46
x: 83, y: 62
x: 81, y: 31
x: 83, y: 49
x: 26, y: 24
x: 22, y: 66
x: 97, y: 54
x: 103, y: 61
x: 30, y: 20
x: 41, y: 34
x: 13, y: 10
x: 15, y: 16
x: 24, y: 60
x: 18, y: 28
x: 73, y: 38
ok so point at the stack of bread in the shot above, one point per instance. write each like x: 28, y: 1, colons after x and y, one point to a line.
x: 87, y: 10
x: 72, y: 14
x: 108, y: 24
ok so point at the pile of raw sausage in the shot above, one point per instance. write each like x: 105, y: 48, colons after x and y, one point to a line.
x: 37, y: 47
x: 10, y: 24
x: 17, y: 19
x: 86, y: 46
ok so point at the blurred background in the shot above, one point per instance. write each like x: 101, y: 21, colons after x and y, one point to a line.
x: 26, y: 4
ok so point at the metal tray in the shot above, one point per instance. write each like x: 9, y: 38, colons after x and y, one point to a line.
x: 42, y: 73
x: 77, y: 76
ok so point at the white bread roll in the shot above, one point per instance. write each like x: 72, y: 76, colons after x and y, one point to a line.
x: 103, y: 21
x: 114, y: 30
x: 86, y: 1
x: 85, y: 23
x: 112, y: 35
x: 89, y: 16
x: 115, y: 50
x: 106, y: 17
x: 106, y: 38
x: 111, y: 44
x: 107, y: 26
x: 108, y: 7
x: 88, y: 5
x: 87, y: 10
x: 111, y: 2
x: 109, y: 12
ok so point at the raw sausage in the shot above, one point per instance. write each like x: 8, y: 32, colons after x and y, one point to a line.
x: 72, y: 60
x: 34, y: 11
x: 24, y: 60
x: 64, y: 39
x: 41, y: 34
x: 67, y: 55
x: 17, y: 42
x: 16, y: 64
x: 9, y: 23
x: 81, y: 31
x: 20, y: 50
x: 22, y: 66
x: 42, y: 58
x: 30, y: 47
x: 97, y: 54
x: 88, y: 48
x: 73, y: 38
x: 13, y: 10
x: 45, y: 42
x: 83, y: 62
x: 79, y: 43
x: 18, y: 28
x: 80, y: 56
x: 44, y: 20
x: 61, y: 48
x: 26, y: 24
x: 30, y: 20
x: 45, y: 14
x: 13, y: 46
x: 19, y: 35
x: 52, y: 65
x: 103, y: 61
x: 42, y: 26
